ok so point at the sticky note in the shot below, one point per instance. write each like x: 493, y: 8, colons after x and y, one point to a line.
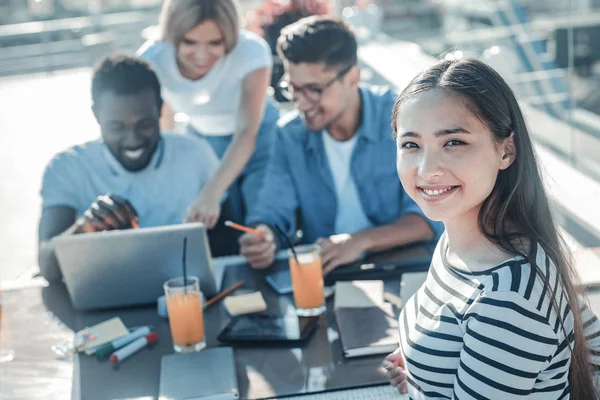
x: 245, y: 303
x: 103, y: 333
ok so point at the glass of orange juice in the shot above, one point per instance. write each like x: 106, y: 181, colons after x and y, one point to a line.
x: 184, y: 306
x: 307, y: 280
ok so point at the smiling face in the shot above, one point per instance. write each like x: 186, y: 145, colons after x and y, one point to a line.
x: 200, y: 49
x: 319, y: 93
x: 130, y: 126
x: 447, y: 159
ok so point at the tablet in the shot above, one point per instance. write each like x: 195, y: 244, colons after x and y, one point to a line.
x: 268, y: 328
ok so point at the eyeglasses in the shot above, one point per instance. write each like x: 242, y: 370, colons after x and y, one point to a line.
x: 311, y: 93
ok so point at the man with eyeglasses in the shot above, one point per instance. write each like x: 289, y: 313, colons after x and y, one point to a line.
x: 334, y: 162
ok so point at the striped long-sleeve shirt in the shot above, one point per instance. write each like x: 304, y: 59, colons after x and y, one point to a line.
x: 491, y: 334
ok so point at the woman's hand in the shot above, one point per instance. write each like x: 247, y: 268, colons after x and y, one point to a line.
x: 394, y: 364
x: 206, y: 208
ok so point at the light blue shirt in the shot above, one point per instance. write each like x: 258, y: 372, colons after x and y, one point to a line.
x: 350, y: 216
x: 161, y: 193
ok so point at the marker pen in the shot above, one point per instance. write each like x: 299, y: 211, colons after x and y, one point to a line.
x: 132, y: 347
x: 109, y: 348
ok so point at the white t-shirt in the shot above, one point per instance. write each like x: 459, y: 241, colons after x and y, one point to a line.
x: 350, y: 216
x: 212, y: 102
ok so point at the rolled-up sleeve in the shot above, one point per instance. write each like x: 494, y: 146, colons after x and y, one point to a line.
x: 278, y: 198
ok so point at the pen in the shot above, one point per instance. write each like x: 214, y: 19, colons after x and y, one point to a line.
x: 224, y: 293
x: 132, y: 347
x: 243, y: 228
x: 107, y: 349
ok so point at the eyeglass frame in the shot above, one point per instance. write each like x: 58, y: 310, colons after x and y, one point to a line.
x: 284, y: 86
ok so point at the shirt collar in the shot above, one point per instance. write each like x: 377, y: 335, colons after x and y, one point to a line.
x: 366, y: 129
x: 117, y: 169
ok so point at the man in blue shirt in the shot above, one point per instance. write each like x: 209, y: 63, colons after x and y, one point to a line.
x: 334, y: 161
x: 134, y: 175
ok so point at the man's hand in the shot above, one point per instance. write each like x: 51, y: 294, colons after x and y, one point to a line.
x: 259, y: 251
x: 108, y: 212
x: 206, y: 208
x: 339, y: 250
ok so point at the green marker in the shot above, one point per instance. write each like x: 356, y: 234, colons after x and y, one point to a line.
x: 109, y: 348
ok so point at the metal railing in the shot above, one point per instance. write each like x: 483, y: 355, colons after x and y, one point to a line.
x: 67, y: 43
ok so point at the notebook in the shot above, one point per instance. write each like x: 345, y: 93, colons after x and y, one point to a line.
x: 410, y: 284
x: 208, y: 375
x: 367, y: 330
x: 358, y: 294
x: 366, y: 323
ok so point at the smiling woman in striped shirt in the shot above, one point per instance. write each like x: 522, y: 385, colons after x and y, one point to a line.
x: 499, y: 316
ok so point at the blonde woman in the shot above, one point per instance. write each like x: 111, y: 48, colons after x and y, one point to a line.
x: 217, y: 74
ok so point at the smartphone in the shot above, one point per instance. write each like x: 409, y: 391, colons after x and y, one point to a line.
x: 268, y: 328
x: 281, y: 282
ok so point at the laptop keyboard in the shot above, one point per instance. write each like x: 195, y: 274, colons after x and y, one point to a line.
x: 383, y: 392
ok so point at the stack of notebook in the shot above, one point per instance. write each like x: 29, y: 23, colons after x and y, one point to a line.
x: 366, y: 323
x: 208, y: 375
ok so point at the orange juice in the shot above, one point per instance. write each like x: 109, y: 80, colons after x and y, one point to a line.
x: 307, y: 278
x: 186, y: 318
x: 184, y: 306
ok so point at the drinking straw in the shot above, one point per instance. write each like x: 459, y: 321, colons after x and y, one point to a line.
x: 289, y: 243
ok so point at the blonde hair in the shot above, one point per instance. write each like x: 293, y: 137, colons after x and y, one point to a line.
x: 180, y: 16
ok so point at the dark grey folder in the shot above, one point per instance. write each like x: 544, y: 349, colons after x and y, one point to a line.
x: 208, y: 375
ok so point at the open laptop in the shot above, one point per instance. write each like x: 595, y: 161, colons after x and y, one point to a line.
x: 129, y: 267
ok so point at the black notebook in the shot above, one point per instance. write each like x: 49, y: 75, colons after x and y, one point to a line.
x: 367, y: 330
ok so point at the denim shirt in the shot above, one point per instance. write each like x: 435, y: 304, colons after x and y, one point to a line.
x: 299, y: 176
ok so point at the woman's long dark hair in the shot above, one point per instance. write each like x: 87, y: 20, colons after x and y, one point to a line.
x: 517, y: 212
